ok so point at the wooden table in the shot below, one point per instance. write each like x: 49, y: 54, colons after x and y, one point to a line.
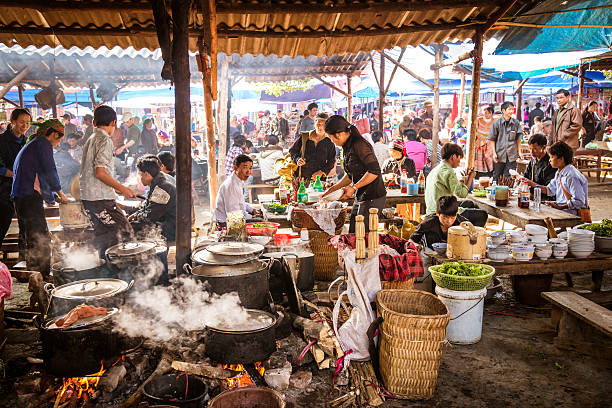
x: 523, y: 216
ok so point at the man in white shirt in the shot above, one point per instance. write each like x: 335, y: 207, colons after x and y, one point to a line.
x: 230, y: 197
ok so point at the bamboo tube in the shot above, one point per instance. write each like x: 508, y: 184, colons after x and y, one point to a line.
x: 373, y: 234
x: 360, y: 252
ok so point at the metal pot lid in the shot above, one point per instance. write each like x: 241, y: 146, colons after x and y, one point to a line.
x: 282, y: 254
x: 131, y: 248
x: 203, y: 256
x: 81, y: 323
x: 227, y: 271
x: 258, y: 320
x: 90, y: 288
x: 235, y: 248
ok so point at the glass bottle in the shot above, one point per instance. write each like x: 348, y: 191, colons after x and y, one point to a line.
x: 318, y: 185
x: 302, y: 194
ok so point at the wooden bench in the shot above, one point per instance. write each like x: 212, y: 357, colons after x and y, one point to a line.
x: 581, y: 325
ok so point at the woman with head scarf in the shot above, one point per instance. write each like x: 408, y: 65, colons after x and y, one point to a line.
x: 398, y: 161
x: 362, y: 176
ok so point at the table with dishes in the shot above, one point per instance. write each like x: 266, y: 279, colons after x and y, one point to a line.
x: 522, y: 216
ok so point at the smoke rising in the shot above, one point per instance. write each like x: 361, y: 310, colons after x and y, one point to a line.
x: 81, y: 258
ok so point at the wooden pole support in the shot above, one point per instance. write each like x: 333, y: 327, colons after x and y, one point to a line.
x: 436, y: 107
x: 474, y: 97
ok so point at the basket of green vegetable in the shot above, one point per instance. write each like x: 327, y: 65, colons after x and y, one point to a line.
x: 461, y: 275
x: 603, y: 234
x: 275, y: 208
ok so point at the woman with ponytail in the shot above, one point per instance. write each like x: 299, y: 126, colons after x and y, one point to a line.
x: 362, y: 176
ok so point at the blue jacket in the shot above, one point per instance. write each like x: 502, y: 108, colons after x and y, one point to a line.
x: 36, y: 158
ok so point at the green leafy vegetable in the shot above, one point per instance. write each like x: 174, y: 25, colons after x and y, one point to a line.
x: 461, y: 268
x: 601, y: 229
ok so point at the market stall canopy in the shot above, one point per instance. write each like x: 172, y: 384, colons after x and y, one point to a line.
x: 601, y: 62
x: 558, y: 25
x: 307, y: 27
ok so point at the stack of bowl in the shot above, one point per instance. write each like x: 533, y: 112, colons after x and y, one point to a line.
x: 536, y: 234
x: 498, y: 238
x: 522, y: 252
x: 581, y: 242
x: 559, y: 247
x: 518, y: 237
x: 544, y: 250
x: 498, y: 253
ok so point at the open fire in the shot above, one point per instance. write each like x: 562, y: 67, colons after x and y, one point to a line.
x: 80, y: 388
x: 243, y: 379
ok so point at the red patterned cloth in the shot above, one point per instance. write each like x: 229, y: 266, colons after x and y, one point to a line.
x: 391, y: 268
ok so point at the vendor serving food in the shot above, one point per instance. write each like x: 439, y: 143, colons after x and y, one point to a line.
x: 362, y: 171
x: 314, y: 152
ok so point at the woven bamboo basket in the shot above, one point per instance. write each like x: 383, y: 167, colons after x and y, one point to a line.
x: 325, y: 256
x: 408, y: 284
x: 411, y: 340
x: 300, y: 219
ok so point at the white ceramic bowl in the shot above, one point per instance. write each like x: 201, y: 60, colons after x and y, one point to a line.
x: 534, y: 229
x: 261, y: 240
x: 335, y: 196
x: 559, y: 253
x: 523, y: 253
x: 581, y: 254
x: 543, y: 254
x: 498, y: 256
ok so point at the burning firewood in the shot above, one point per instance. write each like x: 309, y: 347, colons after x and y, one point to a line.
x: 203, y: 369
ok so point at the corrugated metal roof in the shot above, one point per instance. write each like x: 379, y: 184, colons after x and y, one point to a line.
x: 306, y: 27
x: 79, y: 68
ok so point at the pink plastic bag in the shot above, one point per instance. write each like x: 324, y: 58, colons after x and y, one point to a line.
x: 6, y: 282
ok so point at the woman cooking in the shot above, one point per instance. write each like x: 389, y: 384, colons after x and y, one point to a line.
x: 362, y: 171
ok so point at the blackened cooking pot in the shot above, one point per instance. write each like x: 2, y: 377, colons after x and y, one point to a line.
x: 249, y: 279
x: 180, y: 390
x: 78, y: 351
x: 130, y: 255
x: 105, y: 292
x: 63, y: 274
x: 244, y: 343
x: 301, y: 264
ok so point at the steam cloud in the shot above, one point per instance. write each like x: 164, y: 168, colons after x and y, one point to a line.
x: 163, y: 314
x: 81, y: 258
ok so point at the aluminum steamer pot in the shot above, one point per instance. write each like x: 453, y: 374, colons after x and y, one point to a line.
x: 235, y: 344
x: 249, y: 279
x: 302, y: 267
x: 78, y: 351
x: 103, y: 292
x: 130, y: 255
x: 63, y: 274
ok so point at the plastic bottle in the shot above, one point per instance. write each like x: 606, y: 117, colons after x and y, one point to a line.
x: 421, y: 183
x: 537, y: 198
x: 283, y: 194
x: 304, y: 234
x: 318, y: 186
x: 302, y: 195
x: 404, y: 183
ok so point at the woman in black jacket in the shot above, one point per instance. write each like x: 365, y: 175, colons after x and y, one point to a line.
x: 362, y: 172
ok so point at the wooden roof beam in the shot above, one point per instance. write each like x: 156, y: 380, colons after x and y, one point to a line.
x: 238, y: 33
x: 408, y: 71
x: 15, y: 81
x: 497, y: 15
x: 332, y: 86
x: 249, y: 8
x: 520, y: 86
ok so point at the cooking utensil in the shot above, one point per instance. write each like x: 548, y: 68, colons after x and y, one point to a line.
x: 63, y: 274
x: 180, y: 390
x: 130, y: 255
x: 248, y: 397
x: 301, y: 264
x: 249, y: 279
x: 235, y: 248
x: 105, y: 292
x: 231, y: 344
x: 203, y: 256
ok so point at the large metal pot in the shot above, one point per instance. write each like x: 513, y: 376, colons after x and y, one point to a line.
x: 235, y: 344
x: 301, y: 264
x: 63, y: 274
x: 248, y: 397
x: 249, y: 279
x: 183, y: 390
x: 130, y: 255
x: 78, y: 351
x: 104, y: 292
x: 225, y: 253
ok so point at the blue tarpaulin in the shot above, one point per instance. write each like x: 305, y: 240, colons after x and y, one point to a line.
x: 534, y: 40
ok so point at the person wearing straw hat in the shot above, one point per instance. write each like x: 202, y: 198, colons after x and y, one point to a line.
x: 362, y: 178
x: 36, y: 179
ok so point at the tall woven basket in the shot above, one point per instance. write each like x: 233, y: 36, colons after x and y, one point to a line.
x: 411, y: 340
x: 325, y: 256
x: 300, y: 219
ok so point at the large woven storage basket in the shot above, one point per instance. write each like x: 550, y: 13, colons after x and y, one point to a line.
x: 411, y: 340
x: 325, y: 256
x: 407, y: 284
x: 300, y: 219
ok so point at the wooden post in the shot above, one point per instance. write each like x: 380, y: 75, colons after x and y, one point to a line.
x: 349, y: 97
x: 52, y: 86
x: 436, y: 106
x: 182, y: 104
x: 381, y: 98
x: 94, y: 105
x: 462, y: 95
x: 222, y: 114
x: 474, y: 97
x: 519, y: 104
x: 581, y: 74
x: 20, y: 90
x: 15, y: 81
x: 210, y: 126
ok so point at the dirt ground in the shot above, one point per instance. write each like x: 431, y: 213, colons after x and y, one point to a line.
x: 514, y: 365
